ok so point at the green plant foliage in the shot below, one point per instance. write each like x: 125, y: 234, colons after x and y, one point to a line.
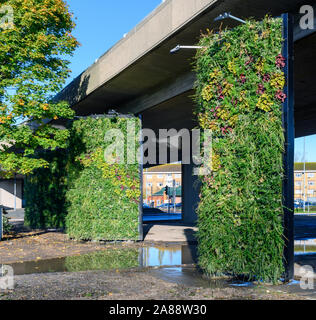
x: 7, y: 227
x: 45, y: 192
x: 33, y: 69
x: 103, y: 198
x: 81, y: 191
x: 104, y: 260
x: 239, y: 97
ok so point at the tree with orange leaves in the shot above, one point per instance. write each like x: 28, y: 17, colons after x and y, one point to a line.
x: 34, y: 43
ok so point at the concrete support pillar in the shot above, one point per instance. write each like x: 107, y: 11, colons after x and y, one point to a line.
x: 190, y: 194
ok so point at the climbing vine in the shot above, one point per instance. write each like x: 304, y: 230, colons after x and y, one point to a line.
x: 240, y: 82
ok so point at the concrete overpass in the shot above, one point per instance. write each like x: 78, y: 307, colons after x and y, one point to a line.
x: 138, y: 75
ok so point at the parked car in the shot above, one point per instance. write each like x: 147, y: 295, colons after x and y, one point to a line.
x: 164, y: 205
x: 297, y: 205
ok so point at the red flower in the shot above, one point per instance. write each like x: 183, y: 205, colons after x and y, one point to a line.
x: 280, y: 61
x: 242, y: 78
x: 261, y: 89
x: 266, y: 78
x: 280, y: 95
x: 249, y: 61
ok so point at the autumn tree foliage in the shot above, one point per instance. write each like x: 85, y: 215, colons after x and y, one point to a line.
x: 33, y: 68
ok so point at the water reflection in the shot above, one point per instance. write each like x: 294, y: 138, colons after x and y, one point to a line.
x: 306, y: 246
x: 122, y: 258
x: 159, y: 256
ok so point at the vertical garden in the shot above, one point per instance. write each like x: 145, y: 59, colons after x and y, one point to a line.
x: 240, y: 82
x: 81, y: 190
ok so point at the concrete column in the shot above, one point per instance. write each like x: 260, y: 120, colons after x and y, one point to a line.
x: 190, y: 194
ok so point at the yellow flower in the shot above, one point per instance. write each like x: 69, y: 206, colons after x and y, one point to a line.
x: 232, y: 121
x: 227, y: 45
x: 215, y: 162
x: 207, y: 94
x: 259, y: 65
x: 45, y: 107
x: 213, y: 126
x: 278, y: 80
x: 227, y: 88
x: 215, y: 74
x: 232, y: 67
x: 223, y: 114
x: 264, y: 103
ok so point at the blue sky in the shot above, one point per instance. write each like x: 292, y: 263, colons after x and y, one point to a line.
x: 310, y: 149
x: 101, y: 23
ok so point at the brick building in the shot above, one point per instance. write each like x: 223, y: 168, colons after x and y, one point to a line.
x: 309, y: 178
x: 156, y: 178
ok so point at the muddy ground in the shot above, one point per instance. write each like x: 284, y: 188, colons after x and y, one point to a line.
x: 127, y: 285
x: 28, y: 245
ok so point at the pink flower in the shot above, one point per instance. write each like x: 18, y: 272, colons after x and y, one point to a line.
x: 280, y: 61
x: 261, y: 89
x: 280, y: 95
x: 266, y: 78
x: 249, y: 61
x: 242, y: 78
x: 234, y: 101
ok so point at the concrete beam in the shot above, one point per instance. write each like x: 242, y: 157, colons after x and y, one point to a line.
x: 177, y: 87
x: 164, y: 21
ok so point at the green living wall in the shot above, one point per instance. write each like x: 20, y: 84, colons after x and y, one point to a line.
x: 92, y: 198
x: 240, y: 83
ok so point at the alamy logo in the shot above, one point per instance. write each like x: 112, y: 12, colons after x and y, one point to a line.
x: 307, y: 20
x: 195, y: 147
x: 307, y: 277
x: 6, y: 277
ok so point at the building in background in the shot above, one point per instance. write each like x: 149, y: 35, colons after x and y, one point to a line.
x: 161, y: 197
x: 305, y: 182
x: 158, y: 177
x: 11, y: 193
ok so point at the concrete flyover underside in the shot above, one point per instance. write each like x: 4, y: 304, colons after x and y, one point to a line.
x: 138, y: 73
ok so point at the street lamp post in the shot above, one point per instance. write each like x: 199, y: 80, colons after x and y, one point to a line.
x: 225, y: 15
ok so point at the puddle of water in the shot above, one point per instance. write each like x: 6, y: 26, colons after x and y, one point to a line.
x: 112, y: 259
x: 243, y: 284
x: 305, y: 246
x: 174, y: 263
x: 188, y: 277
